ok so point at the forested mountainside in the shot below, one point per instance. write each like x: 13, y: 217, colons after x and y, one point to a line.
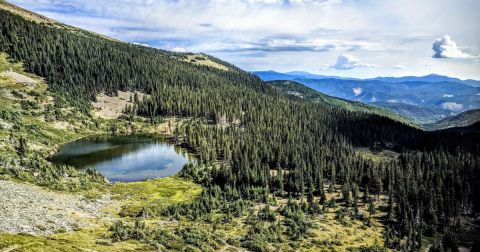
x: 255, y: 143
x: 418, y: 114
x: 423, y: 100
x: 464, y: 119
x: 296, y: 89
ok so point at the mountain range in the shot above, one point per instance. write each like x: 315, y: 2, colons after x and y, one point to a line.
x: 423, y: 100
x: 465, y: 119
x: 278, y: 165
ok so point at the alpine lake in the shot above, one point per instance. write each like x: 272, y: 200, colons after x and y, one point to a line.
x: 125, y: 158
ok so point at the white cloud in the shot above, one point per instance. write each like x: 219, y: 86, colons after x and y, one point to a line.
x: 399, y: 67
x: 179, y: 49
x: 287, y: 35
x: 357, y: 91
x: 445, y: 47
x: 448, y: 95
x: 141, y: 44
x: 346, y: 62
x: 453, y: 106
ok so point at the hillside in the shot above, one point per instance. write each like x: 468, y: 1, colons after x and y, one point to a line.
x: 442, y: 98
x: 415, y: 113
x: 273, y: 172
x: 464, y: 119
x: 429, y: 78
x: 423, y: 100
x: 296, y: 89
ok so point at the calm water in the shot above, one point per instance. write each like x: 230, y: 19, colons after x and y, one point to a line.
x: 124, y: 158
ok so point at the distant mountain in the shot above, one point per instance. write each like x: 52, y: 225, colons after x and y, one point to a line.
x: 428, y: 78
x: 415, y: 113
x: 424, y: 99
x: 273, y: 75
x: 301, y: 91
x: 439, y: 99
x: 464, y: 119
x: 302, y: 74
x: 472, y: 130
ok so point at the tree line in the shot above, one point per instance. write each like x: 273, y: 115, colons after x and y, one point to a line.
x: 264, y: 141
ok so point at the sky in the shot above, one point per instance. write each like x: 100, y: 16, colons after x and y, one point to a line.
x: 351, y: 38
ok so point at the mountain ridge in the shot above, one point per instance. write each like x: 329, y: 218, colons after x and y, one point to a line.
x: 273, y: 171
x: 304, y: 92
x: 270, y: 74
x: 464, y: 119
x: 421, y: 99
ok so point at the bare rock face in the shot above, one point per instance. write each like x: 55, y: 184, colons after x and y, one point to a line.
x: 25, y: 208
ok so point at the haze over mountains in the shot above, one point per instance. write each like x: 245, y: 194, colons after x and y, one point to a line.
x: 424, y: 99
x: 278, y: 166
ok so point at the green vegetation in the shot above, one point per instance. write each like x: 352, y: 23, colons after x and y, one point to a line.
x: 28, y: 134
x: 377, y: 156
x: 77, y: 241
x: 146, y: 197
x: 303, y: 92
x: 268, y: 165
x: 279, y: 222
x: 464, y: 119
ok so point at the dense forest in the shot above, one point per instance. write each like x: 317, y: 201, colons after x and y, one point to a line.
x: 261, y: 140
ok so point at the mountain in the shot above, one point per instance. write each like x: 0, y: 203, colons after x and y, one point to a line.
x: 464, y: 119
x: 421, y: 99
x: 307, y: 75
x: 273, y: 75
x: 439, y: 99
x: 428, y: 78
x: 415, y: 113
x: 296, y: 89
x: 272, y: 169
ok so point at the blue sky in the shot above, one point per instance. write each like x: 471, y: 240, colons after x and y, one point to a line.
x: 356, y: 38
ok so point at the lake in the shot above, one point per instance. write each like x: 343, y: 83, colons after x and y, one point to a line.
x: 124, y: 158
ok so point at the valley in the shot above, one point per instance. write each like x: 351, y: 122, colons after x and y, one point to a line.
x: 276, y: 165
x: 77, y: 208
x: 423, y: 100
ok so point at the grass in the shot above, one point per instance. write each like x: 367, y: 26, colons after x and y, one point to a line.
x: 377, y: 156
x: 327, y: 234
x: 203, y: 60
x: 340, y: 237
x: 153, y: 194
x: 83, y: 240
x: 129, y: 198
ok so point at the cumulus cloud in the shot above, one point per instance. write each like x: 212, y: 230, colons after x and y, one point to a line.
x: 357, y: 91
x: 399, y: 67
x: 445, y: 47
x: 453, y: 106
x: 346, y: 62
x: 179, y: 49
x: 284, y: 35
x: 141, y: 44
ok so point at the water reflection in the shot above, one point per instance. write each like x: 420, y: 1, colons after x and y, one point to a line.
x: 124, y: 158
